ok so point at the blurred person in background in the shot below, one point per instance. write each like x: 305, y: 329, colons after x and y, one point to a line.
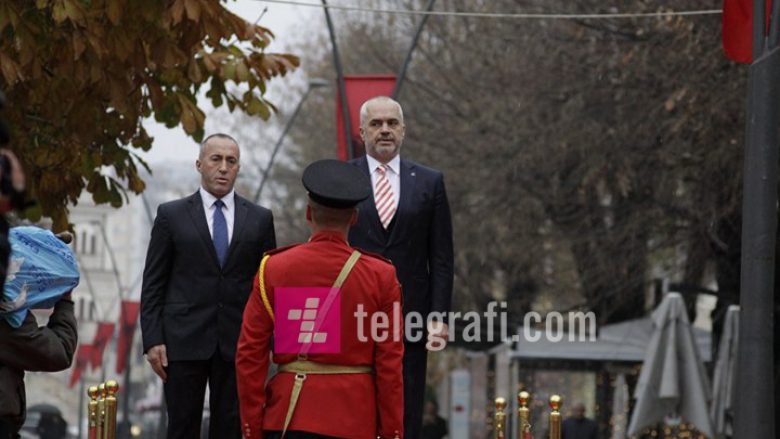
x: 433, y: 425
x: 577, y: 426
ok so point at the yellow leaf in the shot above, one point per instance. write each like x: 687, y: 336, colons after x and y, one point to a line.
x: 74, y: 12
x: 13, y: 16
x: 97, y: 44
x: 193, y: 9
x: 118, y: 99
x: 209, y: 63
x: 79, y: 45
x: 114, y: 11
x: 187, y: 118
x: 193, y: 72
x: 58, y: 12
x: 177, y: 11
x: 123, y: 46
x: 10, y: 69
x: 156, y: 95
x: 200, y: 117
x: 95, y: 73
x: 3, y: 17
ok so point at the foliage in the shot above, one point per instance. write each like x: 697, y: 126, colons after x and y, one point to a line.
x: 82, y: 75
x: 583, y: 158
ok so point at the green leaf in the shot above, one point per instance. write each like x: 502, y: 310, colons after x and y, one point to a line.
x: 58, y: 12
x: 229, y: 71
x: 242, y: 71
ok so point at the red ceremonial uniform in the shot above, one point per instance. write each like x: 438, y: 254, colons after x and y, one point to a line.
x: 346, y: 405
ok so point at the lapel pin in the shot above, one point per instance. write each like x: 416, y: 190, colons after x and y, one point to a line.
x: 413, y: 174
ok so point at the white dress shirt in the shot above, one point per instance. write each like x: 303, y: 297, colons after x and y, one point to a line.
x: 393, y: 175
x: 229, y: 210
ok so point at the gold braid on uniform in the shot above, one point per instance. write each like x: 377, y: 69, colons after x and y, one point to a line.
x: 261, y: 284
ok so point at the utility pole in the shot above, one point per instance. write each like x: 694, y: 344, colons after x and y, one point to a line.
x: 313, y: 83
x: 755, y: 411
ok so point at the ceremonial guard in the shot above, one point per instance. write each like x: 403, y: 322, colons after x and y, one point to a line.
x: 339, y: 375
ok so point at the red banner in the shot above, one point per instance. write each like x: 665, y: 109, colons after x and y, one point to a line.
x: 359, y: 88
x: 738, y: 29
x: 102, y: 336
x: 127, y: 324
x: 83, y: 358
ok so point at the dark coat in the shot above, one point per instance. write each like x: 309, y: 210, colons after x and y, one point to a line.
x: 188, y: 302
x: 32, y: 348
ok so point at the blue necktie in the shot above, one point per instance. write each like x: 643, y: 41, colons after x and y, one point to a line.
x: 220, y: 232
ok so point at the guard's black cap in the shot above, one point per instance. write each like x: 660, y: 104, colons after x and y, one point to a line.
x: 336, y: 184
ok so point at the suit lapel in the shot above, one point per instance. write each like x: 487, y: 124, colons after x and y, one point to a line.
x: 407, y: 188
x: 199, y: 219
x: 239, y: 219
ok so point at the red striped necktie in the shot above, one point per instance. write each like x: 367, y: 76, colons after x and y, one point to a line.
x: 383, y: 195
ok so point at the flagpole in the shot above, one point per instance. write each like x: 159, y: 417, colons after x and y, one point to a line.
x: 754, y: 413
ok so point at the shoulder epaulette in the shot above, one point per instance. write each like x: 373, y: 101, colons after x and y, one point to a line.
x: 374, y: 255
x: 280, y: 249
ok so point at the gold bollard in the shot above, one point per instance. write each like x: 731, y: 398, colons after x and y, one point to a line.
x: 101, y: 411
x: 92, y: 412
x: 555, y: 416
x: 499, y: 424
x: 523, y: 414
x: 109, y: 422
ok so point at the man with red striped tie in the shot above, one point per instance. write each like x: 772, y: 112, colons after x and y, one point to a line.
x: 407, y: 221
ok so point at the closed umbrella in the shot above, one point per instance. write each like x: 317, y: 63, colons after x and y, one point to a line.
x: 722, y: 408
x: 673, y: 380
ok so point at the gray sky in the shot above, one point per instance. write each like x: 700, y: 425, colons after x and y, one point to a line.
x: 173, y: 145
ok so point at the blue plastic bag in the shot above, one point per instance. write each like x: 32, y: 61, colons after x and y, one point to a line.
x: 40, y: 270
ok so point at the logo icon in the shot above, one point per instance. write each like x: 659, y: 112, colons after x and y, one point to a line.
x: 308, y: 320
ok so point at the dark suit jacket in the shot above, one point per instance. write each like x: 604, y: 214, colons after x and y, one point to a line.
x: 188, y: 302
x: 420, y: 242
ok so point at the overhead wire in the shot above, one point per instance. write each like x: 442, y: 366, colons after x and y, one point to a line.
x: 558, y: 16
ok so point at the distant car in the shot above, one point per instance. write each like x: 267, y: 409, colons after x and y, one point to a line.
x: 44, y: 421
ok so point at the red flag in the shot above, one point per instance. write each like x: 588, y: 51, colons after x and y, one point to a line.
x: 83, y: 357
x: 102, y: 336
x: 738, y: 29
x: 359, y: 88
x: 127, y: 323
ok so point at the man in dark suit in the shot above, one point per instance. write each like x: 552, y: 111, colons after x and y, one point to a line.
x: 407, y: 221
x: 203, y: 254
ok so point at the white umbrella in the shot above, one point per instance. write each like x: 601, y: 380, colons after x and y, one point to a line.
x: 620, y: 408
x: 722, y: 407
x: 673, y: 380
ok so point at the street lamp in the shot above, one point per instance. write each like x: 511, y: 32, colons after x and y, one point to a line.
x: 313, y: 83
